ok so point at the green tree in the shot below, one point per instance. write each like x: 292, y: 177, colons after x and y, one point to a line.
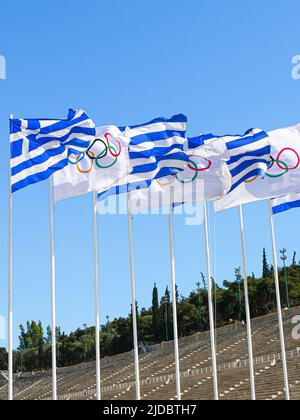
x: 238, y: 277
x: 155, y: 314
x: 35, y: 350
x: 266, y: 267
x: 3, y: 359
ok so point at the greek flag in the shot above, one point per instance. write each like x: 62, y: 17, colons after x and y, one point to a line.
x: 285, y: 203
x: 156, y: 150
x: 40, y: 147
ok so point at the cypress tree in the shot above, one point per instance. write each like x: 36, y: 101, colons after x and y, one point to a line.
x: 155, y: 313
x: 266, y: 268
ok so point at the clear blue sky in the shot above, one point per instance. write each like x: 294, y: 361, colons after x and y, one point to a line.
x: 227, y: 65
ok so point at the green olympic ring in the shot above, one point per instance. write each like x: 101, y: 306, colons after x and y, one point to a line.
x: 281, y: 163
x: 101, y: 155
x: 190, y: 180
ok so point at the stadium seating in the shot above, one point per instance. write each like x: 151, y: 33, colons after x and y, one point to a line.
x: 157, y: 369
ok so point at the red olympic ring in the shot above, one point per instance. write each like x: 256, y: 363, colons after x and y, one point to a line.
x: 279, y: 164
x: 209, y: 163
x: 106, y: 135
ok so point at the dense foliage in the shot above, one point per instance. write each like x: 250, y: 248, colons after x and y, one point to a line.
x: 155, y: 323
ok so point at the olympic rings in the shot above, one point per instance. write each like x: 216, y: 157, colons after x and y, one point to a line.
x: 281, y: 164
x: 277, y: 162
x: 115, y: 154
x: 209, y: 163
x: 103, y: 154
x: 107, y: 150
x: 195, y: 168
x: 78, y: 159
x: 84, y: 171
x: 251, y: 180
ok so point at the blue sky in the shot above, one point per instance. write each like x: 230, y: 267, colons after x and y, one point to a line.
x: 226, y: 65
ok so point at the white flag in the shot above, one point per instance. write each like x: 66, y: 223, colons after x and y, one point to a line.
x: 281, y: 178
x: 102, y: 165
x: 205, y: 178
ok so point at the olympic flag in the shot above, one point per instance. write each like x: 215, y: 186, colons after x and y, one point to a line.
x: 103, y: 164
x: 205, y: 178
x: 281, y: 178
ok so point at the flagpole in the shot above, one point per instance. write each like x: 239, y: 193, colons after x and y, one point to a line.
x: 97, y: 303
x: 133, y: 308
x: 10, y: 287
x: 247, y: 307
x: 53, y: 292
x: 279, y: 308
x: 211, y: 308
x: 175, y: 328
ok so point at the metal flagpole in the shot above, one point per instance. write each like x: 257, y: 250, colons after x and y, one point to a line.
x: 97, y: 303
x: 53, y: 293
x: 175, y: 328
x: 247, y: 307
x: 211, y: 307
x: 10, y: 300
x: 279, y: 308
x: 133, y: 310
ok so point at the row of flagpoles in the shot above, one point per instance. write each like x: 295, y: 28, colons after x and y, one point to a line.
x: 133, y: 304
x: 253, y: 144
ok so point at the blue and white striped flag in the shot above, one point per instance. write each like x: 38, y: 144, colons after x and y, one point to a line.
x: 287, y: 202
x: 156, y: 150
x: 40, y: 147
x: 205, y: 178
x: 249, y: 154
x: 282, y: 176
